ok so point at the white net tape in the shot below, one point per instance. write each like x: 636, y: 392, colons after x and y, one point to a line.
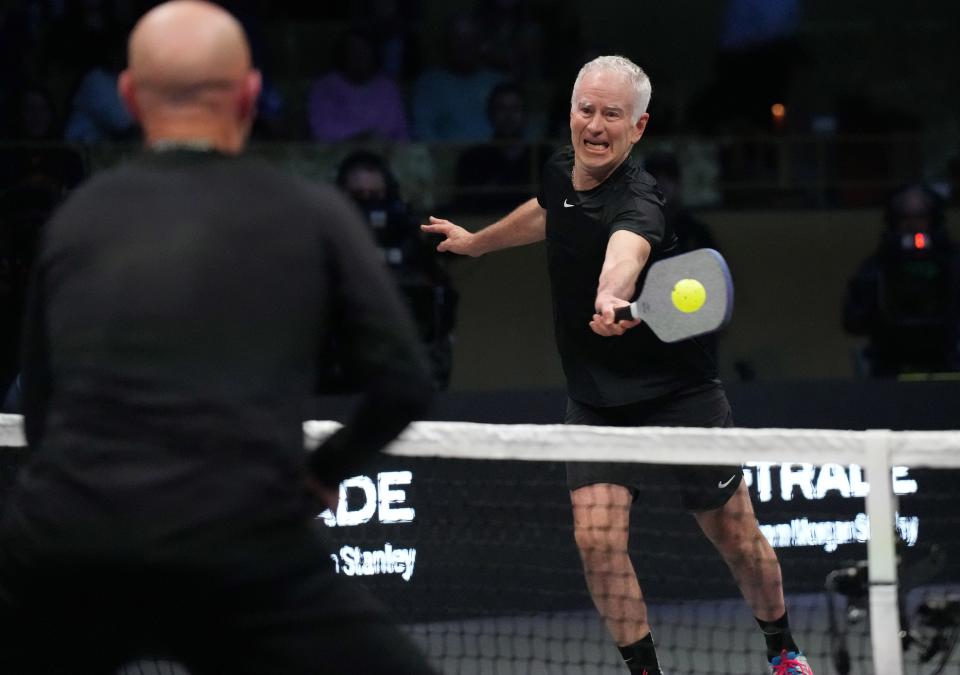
x: 661, y: 445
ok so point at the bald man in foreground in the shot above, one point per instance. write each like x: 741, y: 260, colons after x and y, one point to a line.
x: 174, y: 334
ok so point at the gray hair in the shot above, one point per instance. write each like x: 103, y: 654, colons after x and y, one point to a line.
x: 638, y: 80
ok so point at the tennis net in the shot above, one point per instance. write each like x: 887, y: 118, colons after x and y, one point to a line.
x: 465, y: 531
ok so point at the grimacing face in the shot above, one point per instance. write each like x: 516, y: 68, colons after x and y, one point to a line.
x: 601, y: 130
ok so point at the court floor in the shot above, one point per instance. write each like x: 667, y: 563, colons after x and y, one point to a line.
x: 716, y: 637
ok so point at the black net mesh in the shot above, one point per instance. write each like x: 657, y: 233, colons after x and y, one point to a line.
x: 486, y: 565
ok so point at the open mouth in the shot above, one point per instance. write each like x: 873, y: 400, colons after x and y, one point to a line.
x: 596, y: 146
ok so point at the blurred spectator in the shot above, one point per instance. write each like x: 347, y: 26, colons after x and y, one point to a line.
x: 449, y: 102
x: 97, y: 114
x: 692, y: 233
x: 906, y: 297
x: 512, y: 38
x: 365, y: 177
x: 390, y: 24
x: 355, y: 101
x: 757, y: 57
x: 41, y: 159
x: 499, y: 175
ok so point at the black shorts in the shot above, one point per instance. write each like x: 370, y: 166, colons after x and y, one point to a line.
x: 701, y: 487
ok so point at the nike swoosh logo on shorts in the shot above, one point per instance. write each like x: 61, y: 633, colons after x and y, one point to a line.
x: 724, y: 483
x: 566, y: 205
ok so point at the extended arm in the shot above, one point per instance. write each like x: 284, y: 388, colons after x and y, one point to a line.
x: 526, y: 224
x: 627, y: 254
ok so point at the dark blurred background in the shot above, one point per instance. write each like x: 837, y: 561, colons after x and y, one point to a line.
x: 814, y: 143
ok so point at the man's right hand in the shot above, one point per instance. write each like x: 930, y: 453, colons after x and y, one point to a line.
x: 455, y: 238
x: 604, y: 323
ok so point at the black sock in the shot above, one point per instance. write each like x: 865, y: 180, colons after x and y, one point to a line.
x: 641, y: 656
x: 778, y: 637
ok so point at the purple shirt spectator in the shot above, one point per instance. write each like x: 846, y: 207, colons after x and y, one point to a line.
x: 341, y: 110
x: 355, y: 101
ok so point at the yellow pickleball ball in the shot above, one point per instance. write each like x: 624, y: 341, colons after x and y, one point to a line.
x: 688, y: 295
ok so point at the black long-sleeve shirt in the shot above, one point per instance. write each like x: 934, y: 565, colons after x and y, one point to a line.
x: 176, y: 326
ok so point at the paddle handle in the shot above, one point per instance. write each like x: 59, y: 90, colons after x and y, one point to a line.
x: 624, y: 313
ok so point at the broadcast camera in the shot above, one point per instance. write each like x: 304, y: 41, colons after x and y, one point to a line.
x: 931, y: 626
x: 905, y: 296
x: 422, y: 280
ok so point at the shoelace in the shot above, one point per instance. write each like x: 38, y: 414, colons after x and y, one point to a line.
x: 788, y: 666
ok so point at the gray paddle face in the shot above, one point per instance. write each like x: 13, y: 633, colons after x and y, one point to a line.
x: 686, y: 295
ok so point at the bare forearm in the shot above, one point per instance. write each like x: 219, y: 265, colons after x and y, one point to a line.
x: 526, y: 224
x: 627, y: 253
x: 619, y: 279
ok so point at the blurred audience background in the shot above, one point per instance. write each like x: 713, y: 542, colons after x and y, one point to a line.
x: 779, y: 131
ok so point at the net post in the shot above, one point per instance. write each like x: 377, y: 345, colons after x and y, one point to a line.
x: 11, y: 431
x: 882, y: 556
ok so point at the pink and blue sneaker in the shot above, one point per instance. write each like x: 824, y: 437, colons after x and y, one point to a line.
x: 790, y: 663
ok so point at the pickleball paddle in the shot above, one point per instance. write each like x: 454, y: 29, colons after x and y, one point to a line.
x: 684, y: 296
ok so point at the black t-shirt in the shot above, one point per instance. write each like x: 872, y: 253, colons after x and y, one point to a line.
x: 175, y: 333
x: 609, y: 371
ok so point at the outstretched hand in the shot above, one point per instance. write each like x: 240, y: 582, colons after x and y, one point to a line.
x: 455, y: 238
x: 603, y: 322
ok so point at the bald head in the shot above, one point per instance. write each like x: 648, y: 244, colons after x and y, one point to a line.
x: 189, y: 59
x: 187, y: 44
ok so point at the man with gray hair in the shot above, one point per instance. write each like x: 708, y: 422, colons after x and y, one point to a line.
x: 601, y: 216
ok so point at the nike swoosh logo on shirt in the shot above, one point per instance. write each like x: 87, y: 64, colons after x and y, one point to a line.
x: 724, y: 483
x: 566, y: 205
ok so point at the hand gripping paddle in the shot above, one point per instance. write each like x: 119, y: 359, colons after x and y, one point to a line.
x: 684, y: 296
